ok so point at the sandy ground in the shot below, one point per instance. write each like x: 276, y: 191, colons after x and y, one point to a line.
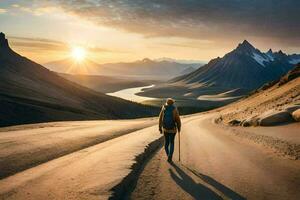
x: 276, y: 97
x: 85, y: 160
x: 86, y: 174
x: 287, y: 132
x: 22, y: 147
x: 216, y: 164
x: 161, y: 180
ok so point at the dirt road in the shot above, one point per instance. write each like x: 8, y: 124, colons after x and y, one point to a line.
x: 22, y: 147
x: 218, y: 165
x: 85, y: 160
x: 90, y: 173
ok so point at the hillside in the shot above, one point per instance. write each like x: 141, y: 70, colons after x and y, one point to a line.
x: 30, y: 93
x: 281, y: 96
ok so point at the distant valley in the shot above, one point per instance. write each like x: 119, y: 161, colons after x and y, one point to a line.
x: 108, y: 84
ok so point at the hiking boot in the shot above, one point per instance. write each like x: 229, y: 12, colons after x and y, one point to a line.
x: 169, y: 159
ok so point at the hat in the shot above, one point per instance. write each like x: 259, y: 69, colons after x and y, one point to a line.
x: 170, y: 101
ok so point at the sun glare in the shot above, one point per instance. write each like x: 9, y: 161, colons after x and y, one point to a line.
x: 78, y: 53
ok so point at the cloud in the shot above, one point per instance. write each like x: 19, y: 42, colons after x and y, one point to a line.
x: 101, y: 50
x: 37, y: 44
x: 15, y: 5
x: 205, y: 19
x: 35, y: 39
x: 36, y: 10
x: 43, y: 44
x: 34, y: 7
x: 2, y: 10
x: 189, y: 43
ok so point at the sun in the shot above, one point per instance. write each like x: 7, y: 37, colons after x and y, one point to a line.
x: 78, y: 53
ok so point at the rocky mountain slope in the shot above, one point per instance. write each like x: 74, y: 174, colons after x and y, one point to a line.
x: 272, y: 104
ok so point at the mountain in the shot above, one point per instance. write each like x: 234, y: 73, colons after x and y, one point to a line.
x: 245, y: 67
x: 188, y: 70
x: 294, y: 58
x: 30, y: 93
x: 237, y: 73
x: 146, y: 68
x: 70, y: 66
x: 199, y: 62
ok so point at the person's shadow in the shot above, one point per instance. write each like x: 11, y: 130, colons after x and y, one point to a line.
x: 200, y: 191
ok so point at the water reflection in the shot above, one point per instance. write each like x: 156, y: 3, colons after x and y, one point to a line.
x: 130, y: 94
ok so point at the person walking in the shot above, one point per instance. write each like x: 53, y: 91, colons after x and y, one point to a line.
x: 169, y: 124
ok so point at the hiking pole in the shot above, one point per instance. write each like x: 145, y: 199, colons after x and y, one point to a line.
x: 179, y: 145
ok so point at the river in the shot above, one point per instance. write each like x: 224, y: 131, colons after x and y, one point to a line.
x: 130, y: 94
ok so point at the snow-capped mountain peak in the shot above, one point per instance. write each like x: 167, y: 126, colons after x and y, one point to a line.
x: 245, y: 67
x: 270, y: 52
x: 245, y: 47
x: 270, y: 55
x: 294, y: 59
x: 262, y: 58
x: 248, y: 49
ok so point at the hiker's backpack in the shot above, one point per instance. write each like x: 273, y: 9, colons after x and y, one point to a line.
x: 168, y: 118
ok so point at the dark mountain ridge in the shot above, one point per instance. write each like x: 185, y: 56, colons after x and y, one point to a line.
x: 30, y: 93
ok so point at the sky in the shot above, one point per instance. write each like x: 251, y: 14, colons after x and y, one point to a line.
x: 128, y: 30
